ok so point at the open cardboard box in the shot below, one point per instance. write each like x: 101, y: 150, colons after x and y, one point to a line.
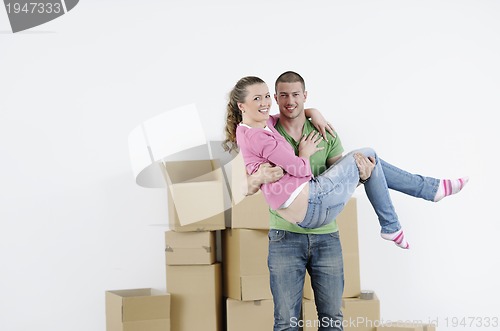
x: 195, y: 195
x: 137, y: 310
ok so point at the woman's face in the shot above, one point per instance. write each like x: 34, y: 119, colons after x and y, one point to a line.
x: 255, y: 109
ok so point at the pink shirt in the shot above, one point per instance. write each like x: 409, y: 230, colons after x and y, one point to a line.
x: 260, y: 146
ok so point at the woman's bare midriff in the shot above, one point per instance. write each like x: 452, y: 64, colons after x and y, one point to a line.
x: 296, y: 212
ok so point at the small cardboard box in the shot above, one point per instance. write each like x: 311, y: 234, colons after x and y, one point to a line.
x: 196, y: 293
x: 347, y: 222
x: 195, y: 195
x: 246, y: 275
x: 137, y: 310
x: 187, y: 248
x: 359, y: 315
x: 247, y: 212
x: 249, y: 315
x: 406, y: 327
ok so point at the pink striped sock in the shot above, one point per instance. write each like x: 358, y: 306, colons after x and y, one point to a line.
x: 398, y: 237
x: 448, y: 187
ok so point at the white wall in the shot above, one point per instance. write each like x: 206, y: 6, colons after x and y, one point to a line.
x: 416, y: 80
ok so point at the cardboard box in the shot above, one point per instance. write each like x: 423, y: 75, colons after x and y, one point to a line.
x: 246, y: 275
x: 359, y: 314
x: 348, y: 229
x: 137, y: 310
x: 196, y: 293
x: 247, y: 212
x: 195, y: 195
x: 406, y: 327
x: 249, y: 315
x: 188, y: 248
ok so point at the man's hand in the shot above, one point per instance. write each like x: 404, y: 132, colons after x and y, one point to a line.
x: 365, y: 165
x: 269, y: 173
x: 266, y: 173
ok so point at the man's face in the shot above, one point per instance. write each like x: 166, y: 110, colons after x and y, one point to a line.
x: 290, y: 98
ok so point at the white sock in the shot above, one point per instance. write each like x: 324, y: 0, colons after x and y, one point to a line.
x: 449, y: 187
x: 398, y: 237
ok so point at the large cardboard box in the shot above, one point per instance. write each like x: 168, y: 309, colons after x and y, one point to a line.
x: 249, y: 315
x: 359, y: 315
x: 137, y: 310
x: 406, y: 327
x: 187, y: 248
x: 195, y: 195
x: 196, y: 297
x: 246, y: 275
x: 347, y: 222
x: 247, y: 212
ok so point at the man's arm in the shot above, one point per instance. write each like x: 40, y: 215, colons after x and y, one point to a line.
x: 265, y: 174
x: 319, y: 122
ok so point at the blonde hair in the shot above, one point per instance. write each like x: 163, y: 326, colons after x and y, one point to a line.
x: 233, y: 113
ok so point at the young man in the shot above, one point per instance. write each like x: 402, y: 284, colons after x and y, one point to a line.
x: 293, y: 249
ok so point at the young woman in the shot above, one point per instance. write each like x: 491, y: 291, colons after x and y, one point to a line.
x: 298, y: 196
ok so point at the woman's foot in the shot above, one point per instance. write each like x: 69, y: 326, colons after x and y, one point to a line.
x: 449, y: 187
x: 398, y: 237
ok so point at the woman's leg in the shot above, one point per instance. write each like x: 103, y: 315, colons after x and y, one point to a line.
x: 330, y: 191
x: 414, y: 185
x: 427, y: 188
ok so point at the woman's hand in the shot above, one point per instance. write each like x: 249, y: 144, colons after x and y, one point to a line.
x: 319, y: 122
x: 308, y: 145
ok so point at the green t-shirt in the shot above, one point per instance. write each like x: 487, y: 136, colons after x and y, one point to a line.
x: 331, y: 149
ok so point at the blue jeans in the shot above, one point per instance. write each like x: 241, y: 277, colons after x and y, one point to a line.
x: 329, y: 192
x: 290, y: 255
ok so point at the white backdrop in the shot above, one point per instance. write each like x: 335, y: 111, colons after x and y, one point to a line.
x: 416, y: 80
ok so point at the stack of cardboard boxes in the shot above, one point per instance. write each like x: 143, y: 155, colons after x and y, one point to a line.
x: 216, y: 262
x: 196, y: 213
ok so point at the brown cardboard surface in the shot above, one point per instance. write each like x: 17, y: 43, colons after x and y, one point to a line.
x: 359, y: 314
x: 126, y: 310
x: 187, y: 248
x: 406, y: 327
x: 246, y: 275
x: 195, y: 195
x: 196, y: 293
x: 249, y: 315
x: 247, y: 212
x: 348, y: 229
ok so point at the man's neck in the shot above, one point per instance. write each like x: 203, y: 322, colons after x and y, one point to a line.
x: 293, y: 126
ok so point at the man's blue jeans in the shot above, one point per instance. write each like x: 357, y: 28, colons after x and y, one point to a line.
x: 291, y: 254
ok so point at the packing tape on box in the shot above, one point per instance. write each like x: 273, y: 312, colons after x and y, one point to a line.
x: 366, y: 295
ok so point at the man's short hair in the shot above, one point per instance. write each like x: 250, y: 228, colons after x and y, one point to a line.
x: 289, y: 77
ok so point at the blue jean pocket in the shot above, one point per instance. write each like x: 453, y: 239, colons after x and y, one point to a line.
x: 276, y: 235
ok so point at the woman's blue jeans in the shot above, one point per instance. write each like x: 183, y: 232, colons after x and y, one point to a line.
x: 330, y: 191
